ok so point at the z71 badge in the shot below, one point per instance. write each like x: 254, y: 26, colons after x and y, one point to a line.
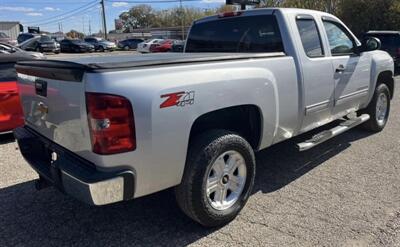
x: 178, y: 99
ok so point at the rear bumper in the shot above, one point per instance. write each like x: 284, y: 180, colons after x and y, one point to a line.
x: 72, y: 174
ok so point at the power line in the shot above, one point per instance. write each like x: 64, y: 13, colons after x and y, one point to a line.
x: 64, y: 14
x: 103, y: 12
x: 153, y: 1
x: 40, y: 3
x: 70, y: 15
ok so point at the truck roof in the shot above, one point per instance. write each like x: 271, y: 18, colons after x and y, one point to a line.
x: 271, y: 11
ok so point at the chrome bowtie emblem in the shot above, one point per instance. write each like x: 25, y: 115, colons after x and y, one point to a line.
x: 42, y: 108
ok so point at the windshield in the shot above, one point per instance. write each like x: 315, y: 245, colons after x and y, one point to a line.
x: 237, y: 34
x: 77, y: 42
x: 45, y: 39
x: 3, y: 35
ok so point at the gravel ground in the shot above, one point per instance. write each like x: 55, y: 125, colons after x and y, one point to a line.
x: 345, y: 192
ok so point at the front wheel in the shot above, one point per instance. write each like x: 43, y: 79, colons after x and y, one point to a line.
x: 101, y: 49
x: 218, y: 178
x: 378, y: 109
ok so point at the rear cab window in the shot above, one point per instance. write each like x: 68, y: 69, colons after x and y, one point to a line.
x: 259, y: 33
x: 310, y: 36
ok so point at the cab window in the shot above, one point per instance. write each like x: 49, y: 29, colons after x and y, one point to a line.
x: 340, y: 41
x: 310, y: 37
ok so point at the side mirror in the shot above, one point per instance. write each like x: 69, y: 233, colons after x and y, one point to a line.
x: 372, y: 44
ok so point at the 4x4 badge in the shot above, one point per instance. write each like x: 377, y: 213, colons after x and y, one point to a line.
x: 178, y: 99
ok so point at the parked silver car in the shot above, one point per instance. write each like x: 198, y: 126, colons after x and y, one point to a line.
x: 101, y: 44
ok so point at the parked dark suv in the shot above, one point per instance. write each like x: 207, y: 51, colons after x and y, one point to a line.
x: 75, y: 45
x: 25, y: 36
x: 129, y: 43
x: 390, y: 43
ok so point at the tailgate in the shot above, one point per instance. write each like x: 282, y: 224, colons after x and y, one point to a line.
x: 53, y: 101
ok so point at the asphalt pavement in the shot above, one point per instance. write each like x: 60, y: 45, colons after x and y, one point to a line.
x: 345, y: 192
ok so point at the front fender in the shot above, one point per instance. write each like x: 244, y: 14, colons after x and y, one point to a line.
x: 381, y: 62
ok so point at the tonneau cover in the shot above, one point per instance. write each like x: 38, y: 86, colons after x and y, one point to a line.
x: 93, y: 63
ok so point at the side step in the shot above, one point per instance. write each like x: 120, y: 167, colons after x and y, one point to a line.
x: 328, y: 134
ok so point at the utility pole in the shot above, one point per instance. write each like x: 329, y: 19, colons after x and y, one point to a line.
x: 90, y: 28
x: 182, y: 20
x: 104, y: 19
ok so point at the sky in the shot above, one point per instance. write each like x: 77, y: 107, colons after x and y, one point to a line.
x: 74, y: 14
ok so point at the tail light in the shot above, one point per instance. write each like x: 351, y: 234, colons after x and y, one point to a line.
x: 111, y: 123
x: 230, y: 14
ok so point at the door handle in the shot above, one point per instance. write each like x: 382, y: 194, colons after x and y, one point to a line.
x: 340, y: 69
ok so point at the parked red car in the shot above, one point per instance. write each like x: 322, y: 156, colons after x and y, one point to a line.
x: 163, y: 46
x: 11, y: 115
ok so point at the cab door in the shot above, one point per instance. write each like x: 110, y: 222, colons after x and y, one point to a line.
x: 351, y: 69
x: 317, y: 73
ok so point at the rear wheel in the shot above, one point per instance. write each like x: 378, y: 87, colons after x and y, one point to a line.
x: 126, y: 48
x: 378, y: 109
x: 101, y: 49
x: 218, y: 178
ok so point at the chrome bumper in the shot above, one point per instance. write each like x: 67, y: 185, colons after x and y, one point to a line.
x: 71, y: 174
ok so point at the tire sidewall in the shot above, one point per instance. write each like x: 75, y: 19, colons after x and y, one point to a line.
x: 209, y: 155
x: 382, y: 88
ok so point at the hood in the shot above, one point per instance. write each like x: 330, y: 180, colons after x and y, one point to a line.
x: 37, y: 55
x: 107, y: 42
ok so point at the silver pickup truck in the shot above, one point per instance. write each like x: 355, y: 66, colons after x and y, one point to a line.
x: 109, y: 129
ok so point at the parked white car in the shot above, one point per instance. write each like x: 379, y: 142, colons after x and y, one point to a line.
x: 144, y: 47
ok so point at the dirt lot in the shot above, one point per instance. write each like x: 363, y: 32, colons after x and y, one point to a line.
x: 345, y: 192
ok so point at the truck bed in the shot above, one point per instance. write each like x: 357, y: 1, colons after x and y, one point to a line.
x: 93, y: 64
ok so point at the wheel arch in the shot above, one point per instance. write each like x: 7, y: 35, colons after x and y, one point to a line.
x: 386, y: 77
x: 249, y: 125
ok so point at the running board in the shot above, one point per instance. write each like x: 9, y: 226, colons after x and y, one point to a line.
x: 328, y: 134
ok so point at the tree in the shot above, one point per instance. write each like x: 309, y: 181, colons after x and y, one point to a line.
x: 73, y: 34
x: 322, y: 5
x: 140, y: 16
x: 359, y: 15
x: 271, y: 3
x: 363, y: 15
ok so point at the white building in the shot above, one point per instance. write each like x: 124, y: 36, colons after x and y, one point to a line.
x: 11, y: 28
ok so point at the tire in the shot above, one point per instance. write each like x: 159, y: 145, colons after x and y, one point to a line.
x: 126, y: 48
x: 200, y: 171
x: 378, y: 118
x: 101, y: 49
